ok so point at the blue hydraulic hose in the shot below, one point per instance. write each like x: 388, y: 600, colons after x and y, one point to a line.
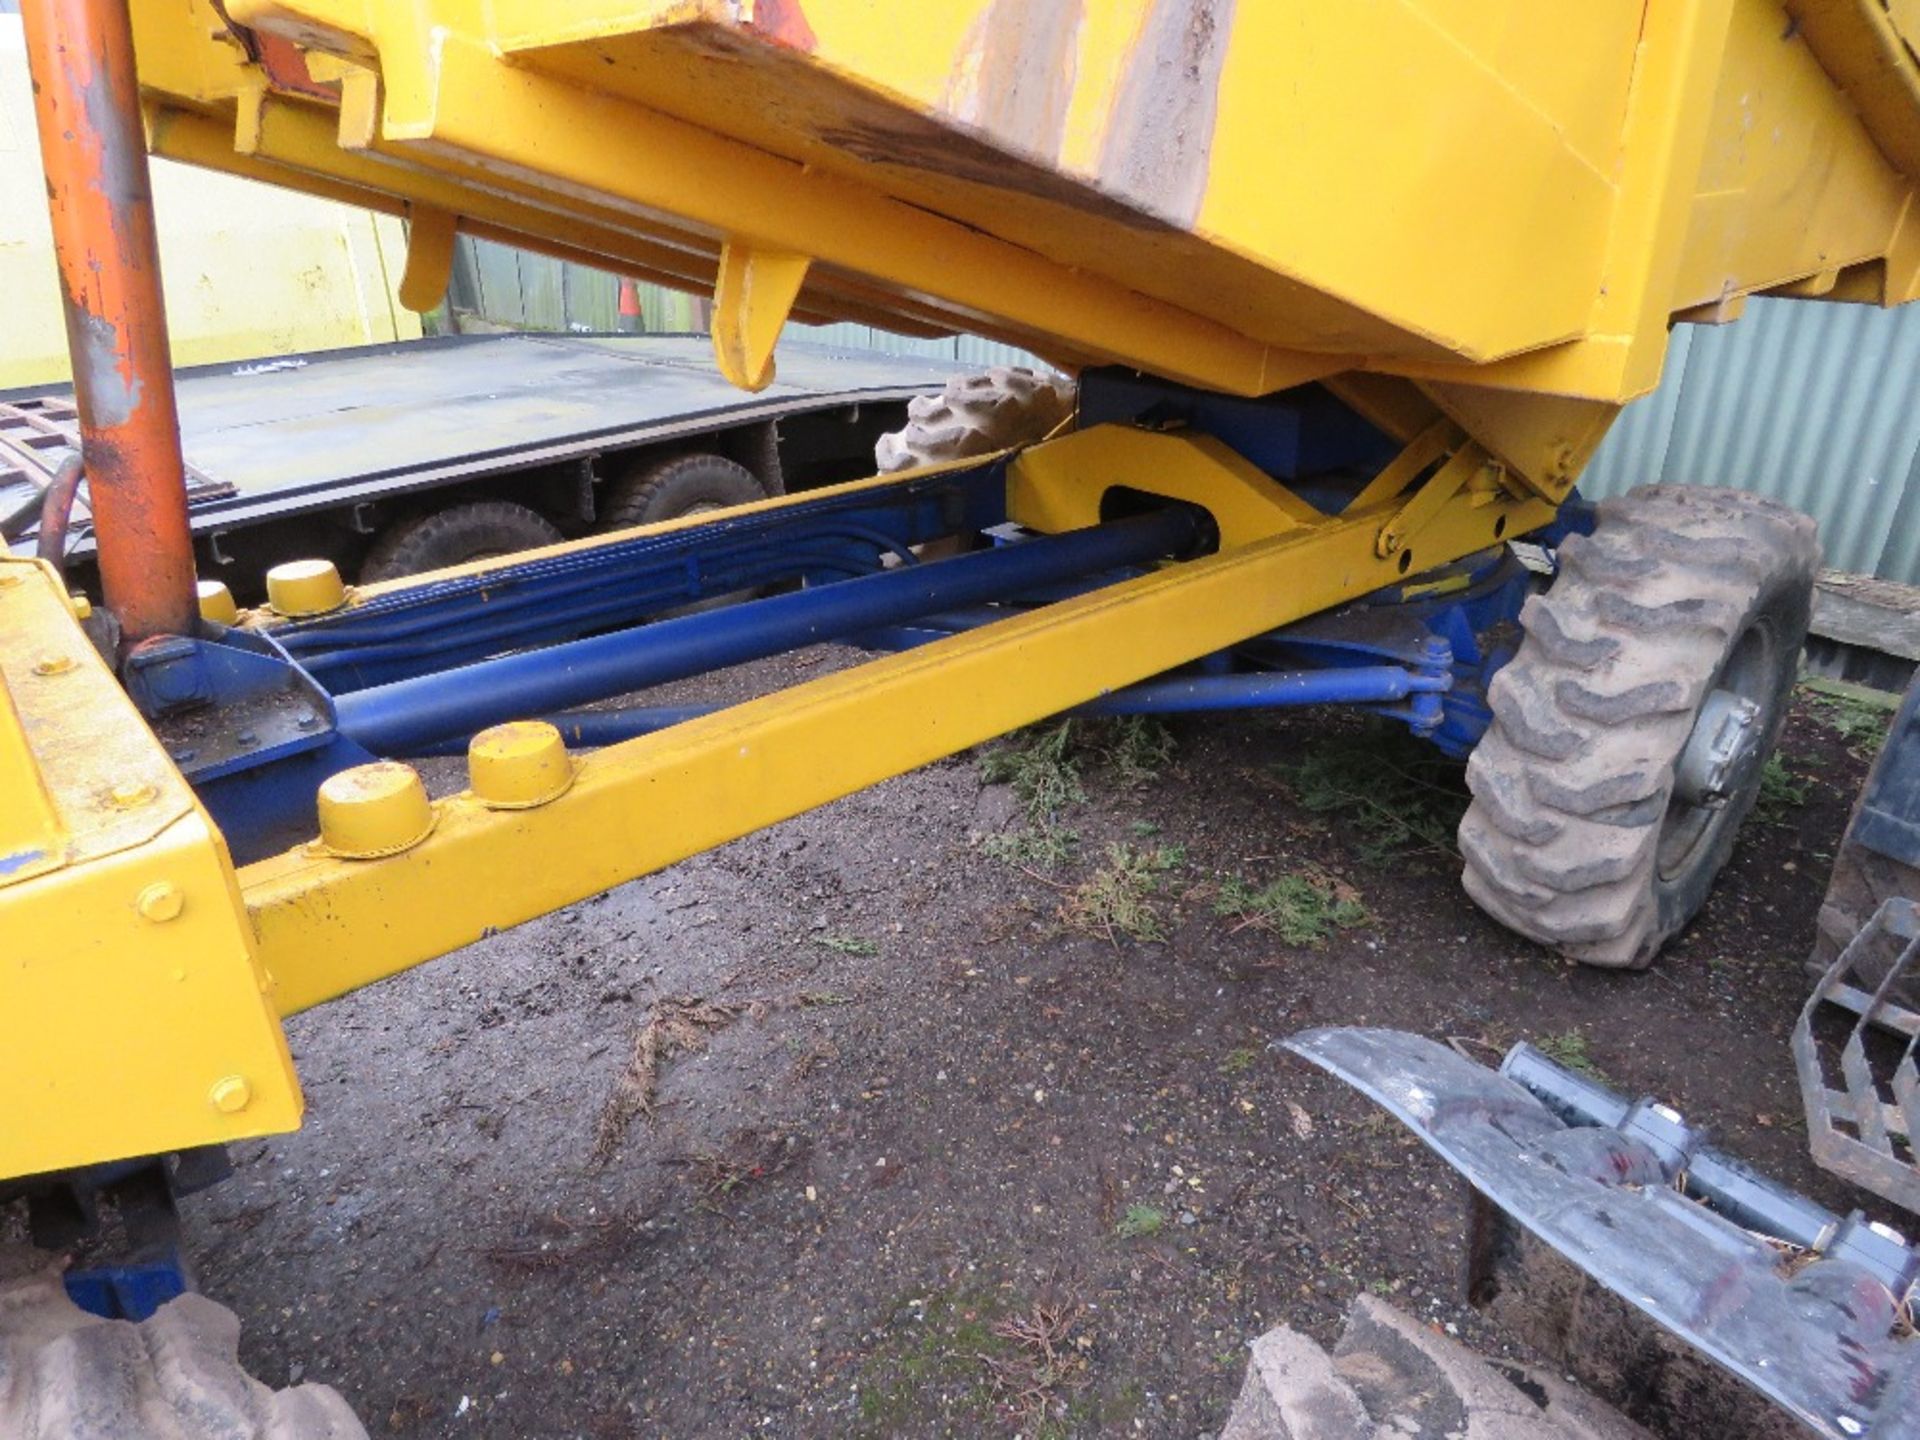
x: 406, y: 716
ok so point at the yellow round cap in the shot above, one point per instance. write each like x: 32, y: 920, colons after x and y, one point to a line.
x: 518, y: 765
x: 305, y: 587
x: 216, y: 603
x: 374, y: 810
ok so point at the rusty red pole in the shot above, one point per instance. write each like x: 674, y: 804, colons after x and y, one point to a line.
x: 86, y: 99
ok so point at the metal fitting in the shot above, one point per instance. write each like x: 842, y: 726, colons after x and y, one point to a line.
x: 216, y: 600
x: 160, y: 902
x: 81, y: 606
x: 1722, y: 752
x: 518, y: 765
x: 374, y: 810
x: 230, y: 1095
x: 305, y: 587
x: 53, y: 665
x: 131, y: 794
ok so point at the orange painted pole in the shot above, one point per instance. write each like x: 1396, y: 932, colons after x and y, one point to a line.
x: 86, y: 100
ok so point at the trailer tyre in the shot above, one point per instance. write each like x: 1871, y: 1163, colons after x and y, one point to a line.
x: 1630, y: 730
x: 683, y: 485
x: 457, y: 535
x: 69, y: 1375
x: 976, y: 415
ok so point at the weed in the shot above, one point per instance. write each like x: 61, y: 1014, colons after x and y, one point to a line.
x: 1569, y: 1048
x: 748, y: 1157
x: 1400, y: 798
x: 1779, y: 793
x: 1140, y: 1222
x: 1239, y: 1062
x: 676, y: 1027
x: 1301, y: 907
x: 1117, y: 899
x: 1043, y: 846
x: 815, y: 999
x: 1043, y: 1357
x: 1142, y: 829
x: 848, y: 944
x: 1135, y: 747
x: 1041, y: 766
x: 1857, y: 715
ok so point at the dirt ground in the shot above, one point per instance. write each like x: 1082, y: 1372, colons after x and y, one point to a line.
x: 935, y: 1147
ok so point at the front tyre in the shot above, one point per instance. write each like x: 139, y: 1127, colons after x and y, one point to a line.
x: 1630, y: 729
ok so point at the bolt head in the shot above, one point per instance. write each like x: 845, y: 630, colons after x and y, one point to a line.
x: 132, y: 794
x: 160, y: 902
x: 230, y: 1095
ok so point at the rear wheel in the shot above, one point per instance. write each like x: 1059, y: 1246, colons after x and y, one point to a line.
x: 69, y: 1375
x: 976, y: 415
x: 457, y: 535
x: 1630, y: 730
x: 683, y: 485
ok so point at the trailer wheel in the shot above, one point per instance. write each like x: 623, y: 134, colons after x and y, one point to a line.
x: 682, y: 485
x: 69, y: 1375
x: 472, y: 530
x: 1630, y: 730
x: 976, y: 415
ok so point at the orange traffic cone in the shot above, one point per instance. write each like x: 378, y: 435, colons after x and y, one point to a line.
x: 629, y: 307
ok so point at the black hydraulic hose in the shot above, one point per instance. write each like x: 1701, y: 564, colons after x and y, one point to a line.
x: 15, y: 522
x: 56, y: 511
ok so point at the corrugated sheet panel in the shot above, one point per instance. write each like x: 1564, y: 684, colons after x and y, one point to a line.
x: 1809, y: 403
x: 970, y: 351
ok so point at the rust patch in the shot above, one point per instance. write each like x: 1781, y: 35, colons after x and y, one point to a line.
x: 1019, y: 91
x: 929, y: 148
x: 1160, y: 134
x: 785, y: 22
x: 286, y: 67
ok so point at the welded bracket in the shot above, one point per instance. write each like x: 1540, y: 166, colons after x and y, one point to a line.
x: 752, y: 299
x: 430, y: 237
x: 1469, y: 461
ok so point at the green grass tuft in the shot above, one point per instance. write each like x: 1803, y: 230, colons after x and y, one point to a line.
x: 848, y: 944
x: 1569, y: 1048
x: 1397, y: 797
x: 1300, y: 907
x: 1140, y: 1222
x: 1118, y: 898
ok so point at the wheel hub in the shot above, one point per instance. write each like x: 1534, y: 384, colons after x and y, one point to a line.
x: 1722, y: 752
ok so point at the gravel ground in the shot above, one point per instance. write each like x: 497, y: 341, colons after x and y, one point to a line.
x: 933, y: 1146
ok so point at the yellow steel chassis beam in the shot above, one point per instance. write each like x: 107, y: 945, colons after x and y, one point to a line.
x: 132, y: 1024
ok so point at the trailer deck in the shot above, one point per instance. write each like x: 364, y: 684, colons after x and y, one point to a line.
x: 276, y: 438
